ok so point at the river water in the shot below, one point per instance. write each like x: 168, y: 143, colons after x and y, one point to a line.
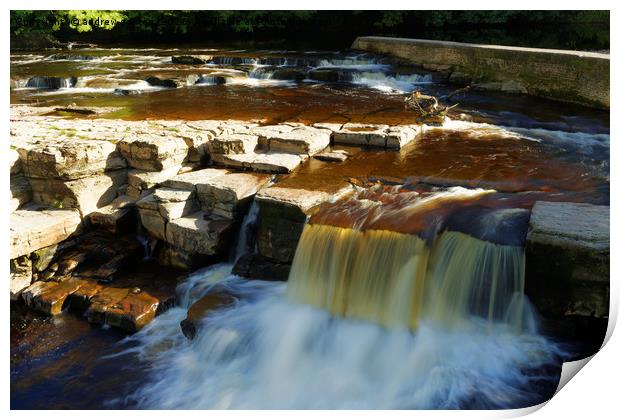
x: 298, y: 345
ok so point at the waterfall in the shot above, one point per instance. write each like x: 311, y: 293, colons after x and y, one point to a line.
x: 264, y: 73
x: 246, y: 241
x: 396, y: 279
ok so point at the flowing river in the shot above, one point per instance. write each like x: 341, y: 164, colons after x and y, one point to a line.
x: 409, y: 294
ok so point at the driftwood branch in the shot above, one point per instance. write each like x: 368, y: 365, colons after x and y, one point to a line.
x: 428, y: 107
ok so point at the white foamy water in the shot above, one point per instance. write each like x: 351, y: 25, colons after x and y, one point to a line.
x: 268, y: 352
x: 401, y: 83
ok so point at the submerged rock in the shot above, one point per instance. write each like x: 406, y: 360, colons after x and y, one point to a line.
x: 200, y: 309
x: 165, y: 83
x: 189, y: 59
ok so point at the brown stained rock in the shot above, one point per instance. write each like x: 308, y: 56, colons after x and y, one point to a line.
x: 69, y: 263
x: 201, y: 308
x: 52, y: 300
x: 102, y: 301
x: 81, y: 298
x: 132, y: 312
x: 30, y: 294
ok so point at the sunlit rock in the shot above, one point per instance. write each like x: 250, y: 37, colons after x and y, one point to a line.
x: 152, y: 152
x: 229, y: 195
x: 21, y: 276
x: 68, y: 159
x: 36, y: 227
x: 84, y: 194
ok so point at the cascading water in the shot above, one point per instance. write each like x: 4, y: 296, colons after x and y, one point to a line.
x: 368, y: 319
x: 396, y: 279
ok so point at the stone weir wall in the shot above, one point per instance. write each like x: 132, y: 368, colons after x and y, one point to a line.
x: 569, y: 76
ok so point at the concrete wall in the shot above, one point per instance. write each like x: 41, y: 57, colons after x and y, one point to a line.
x: 570, y: 76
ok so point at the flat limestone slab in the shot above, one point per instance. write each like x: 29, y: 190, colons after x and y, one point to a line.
x: 297, y: 140
x: 36, y: 227
x: 233, y: 143
x: 362, y: 134
x: 374, y: 135
x: 570, y: 225
x: 567, y: 259
x: 271, y: 162
x: 189, y: 180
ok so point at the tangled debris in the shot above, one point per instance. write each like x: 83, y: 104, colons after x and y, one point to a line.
x: 428, y: 108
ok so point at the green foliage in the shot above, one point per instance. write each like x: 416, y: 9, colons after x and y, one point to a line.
x: 556, y: 29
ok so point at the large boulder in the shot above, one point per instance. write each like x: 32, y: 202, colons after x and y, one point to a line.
x: 229, y: 195
x: 567, y: 259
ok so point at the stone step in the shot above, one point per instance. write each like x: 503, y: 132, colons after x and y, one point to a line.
x: 271, y: 162
x: 189, y: 180
x: 35, y: 227
x: 116, y: 217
